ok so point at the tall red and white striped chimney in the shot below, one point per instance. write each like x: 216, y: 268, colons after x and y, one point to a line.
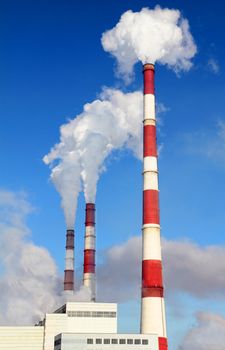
x: 69, y: 263
x: 89, y: 250
x: 152, y: 303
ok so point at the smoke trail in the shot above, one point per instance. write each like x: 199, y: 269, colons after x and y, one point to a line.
x: 30, y: 282
x: 111, y: 122
x: 66, y: 174
x: 158, y: 35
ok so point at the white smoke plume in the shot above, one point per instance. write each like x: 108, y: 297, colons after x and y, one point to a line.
x: 114, y: 121
x: 30, y: 283
x: 66, y: 178
x: 151, y: 35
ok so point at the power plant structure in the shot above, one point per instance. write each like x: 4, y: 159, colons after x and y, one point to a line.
x: 93, y: 325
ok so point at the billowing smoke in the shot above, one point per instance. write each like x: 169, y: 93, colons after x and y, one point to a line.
x: 109, y: 123
x: 66, y: 178
x: 30, y: 282
x: 188, y: 267
x: 158, y: 35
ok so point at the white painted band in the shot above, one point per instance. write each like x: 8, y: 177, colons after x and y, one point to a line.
x: 151, y: 247
x: 69, y: 253
x: 68, y: 294
x: 89, y: 243
x: 69, y: 264
x: 89, y: 282
x: 150, y: 164
x: 89, y: 231
x: 149, y: 225
x: 149, y: 106
x: 150, y: 180
x: 153, y: 316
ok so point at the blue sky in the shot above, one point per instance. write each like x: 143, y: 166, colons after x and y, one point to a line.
x: 52, y: 63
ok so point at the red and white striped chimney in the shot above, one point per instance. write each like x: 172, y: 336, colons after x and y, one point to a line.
x: 89, y: 250
x: 152, y: 303
x: 69, y: 262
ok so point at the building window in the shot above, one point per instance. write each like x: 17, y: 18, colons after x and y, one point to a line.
x: 91, y: 314
x: 114, y: 341
x: 89, y: 341
x: 106, y: 341
x: 137, y: 341
x: 86, y: 314
x: 144, y: 341
x: 98, y: 341
x: 57, y: 342
x: 100, y: 314
x: 129, y: 341
x: 122, y: 341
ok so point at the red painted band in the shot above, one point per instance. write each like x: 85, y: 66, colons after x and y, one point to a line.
x: 150, y: 147
x: 68, y: 279
x: 89, y: 261
x: 155, y: 292
x: 149, y: 81
x: 163, y: 345
x: 152, y: 273
x: 90, y: 214
x: 69, y: 239
x: 150, y: 207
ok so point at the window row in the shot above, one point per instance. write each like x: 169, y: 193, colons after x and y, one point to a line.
x: 117, y: 341
x: 91, y: 314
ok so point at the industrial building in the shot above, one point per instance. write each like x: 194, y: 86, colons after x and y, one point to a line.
x: 93, y: 325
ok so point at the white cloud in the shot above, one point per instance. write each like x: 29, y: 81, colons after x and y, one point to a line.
x: 213, y: 66
x: 209, y: 333
x: 210, y: 143
x: 189, y: 268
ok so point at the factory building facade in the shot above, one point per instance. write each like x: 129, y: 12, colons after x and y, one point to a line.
x: 76, y: 326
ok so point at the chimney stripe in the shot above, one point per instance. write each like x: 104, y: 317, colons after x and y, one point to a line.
x: 150, y: 149
x: 150, y: 180
x: 149, y: 108
x: 149, y: 81
x: 151, y: 273
x: 150, y: 164
x: 68, y: 280
x: 163, y: 343
x: 151, y: 239
x: 150, y: 207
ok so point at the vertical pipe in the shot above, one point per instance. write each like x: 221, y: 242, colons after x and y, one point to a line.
x: 152, y: 302
x: 89, y: 250
x: 69, y: 262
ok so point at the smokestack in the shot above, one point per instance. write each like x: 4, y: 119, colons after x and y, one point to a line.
x: 69, y: 262
x: 152, y: 303
x: 89, y: 250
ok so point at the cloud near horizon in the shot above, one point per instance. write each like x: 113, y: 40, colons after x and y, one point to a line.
x: 208, y: 333
x: 188, y: 267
